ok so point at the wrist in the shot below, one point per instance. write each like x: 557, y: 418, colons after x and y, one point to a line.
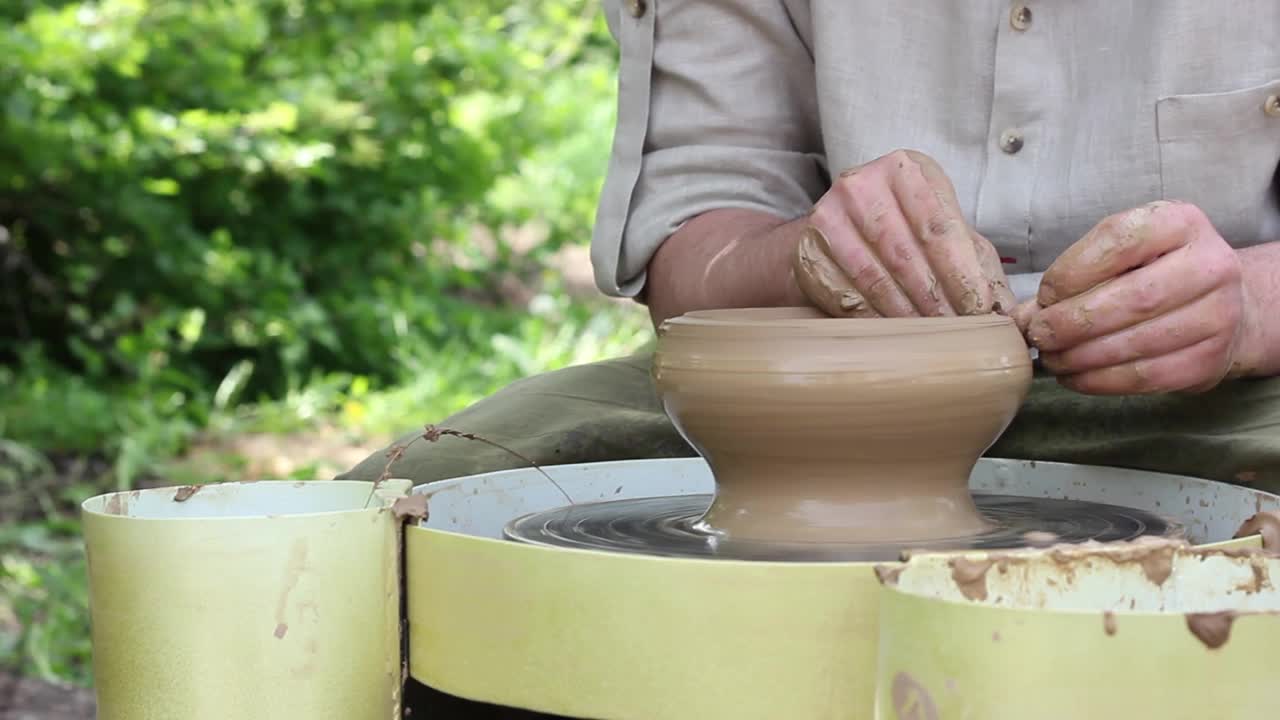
x: 725, y: 259
x: 1256, y: 352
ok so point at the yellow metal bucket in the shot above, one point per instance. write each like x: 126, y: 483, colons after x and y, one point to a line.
x: 1143, y: 630
x: 246, y: 600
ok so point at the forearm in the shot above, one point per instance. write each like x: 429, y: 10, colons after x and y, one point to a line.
x: 1260, y: 277
x: 725, y: 259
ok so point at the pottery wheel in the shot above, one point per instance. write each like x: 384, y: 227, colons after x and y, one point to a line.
x: 670, y: 527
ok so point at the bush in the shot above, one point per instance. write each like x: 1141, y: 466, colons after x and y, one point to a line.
x: 242, y: 193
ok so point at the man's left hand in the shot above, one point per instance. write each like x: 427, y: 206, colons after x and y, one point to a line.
x: 1149, y: 301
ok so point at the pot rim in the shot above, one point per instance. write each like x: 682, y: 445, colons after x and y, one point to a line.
x: 810, y: 322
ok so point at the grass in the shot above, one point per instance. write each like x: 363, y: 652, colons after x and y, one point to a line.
x: 64, y: 439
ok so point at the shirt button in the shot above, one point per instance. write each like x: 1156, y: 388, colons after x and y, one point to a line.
x: 637, y: 7
x: 1020, y: 17
x: 1271, y: 106
x: 1010, y: 141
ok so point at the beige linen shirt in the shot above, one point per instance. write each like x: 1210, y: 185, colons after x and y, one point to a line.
x: 1047, y: 116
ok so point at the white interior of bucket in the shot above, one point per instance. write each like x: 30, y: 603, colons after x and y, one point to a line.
x: 236, y: 500
x: 1185, y: 581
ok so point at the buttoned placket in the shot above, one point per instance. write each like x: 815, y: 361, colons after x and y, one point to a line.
x: 1007, y: 182
x: 635, y: 27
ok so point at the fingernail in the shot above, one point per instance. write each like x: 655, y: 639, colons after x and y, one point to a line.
x: 1022, y: 314
x: 1039, y: 333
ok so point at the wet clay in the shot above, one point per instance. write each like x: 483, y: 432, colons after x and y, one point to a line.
x: 841, y: 430
x: 970, y: 577
x: 1039, y: 538
x: 1213, y: 629
x: 824, y: 282
x: 1267, y: 524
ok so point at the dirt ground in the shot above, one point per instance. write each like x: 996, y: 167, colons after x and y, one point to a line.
x: 29, y: 699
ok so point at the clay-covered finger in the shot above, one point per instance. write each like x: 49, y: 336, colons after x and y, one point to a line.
x: 928, y: 203
x: 824, y: 282
x: 1002, y: 298
x: 1188, y: 325
x: 1118, y: 244
x: 1189, y: 369
x: 875, y: 212
x: 1023, y: 313
x: 1170, y: 282
x: 869, y: 277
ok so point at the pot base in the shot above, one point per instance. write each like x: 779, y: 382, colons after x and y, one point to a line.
x: 672, y: 526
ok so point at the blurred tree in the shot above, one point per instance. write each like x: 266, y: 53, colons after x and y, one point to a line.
x: 188, y: 187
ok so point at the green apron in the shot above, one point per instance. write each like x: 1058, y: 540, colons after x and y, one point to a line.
x: 609, y: 410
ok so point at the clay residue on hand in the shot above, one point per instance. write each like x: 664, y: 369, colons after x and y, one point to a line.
x: 970, y: 577
x: 1212, y: 628
x: 824, y: 282
x: 1267, y: 524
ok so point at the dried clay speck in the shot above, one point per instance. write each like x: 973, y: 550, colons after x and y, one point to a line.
x: 970, y: 577
x: 117, y: 505
x: 911, y: 700
x: 184, y: 493
x: 889, y: 574
x: 410, y: 506
x: 292, y: 573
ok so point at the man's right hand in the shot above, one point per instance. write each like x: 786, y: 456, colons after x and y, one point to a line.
x: 894, y: 227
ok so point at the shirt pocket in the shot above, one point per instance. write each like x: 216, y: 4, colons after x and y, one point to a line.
x: 1220, y: 151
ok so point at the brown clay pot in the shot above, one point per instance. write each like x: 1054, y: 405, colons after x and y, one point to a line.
x: 836, y: 429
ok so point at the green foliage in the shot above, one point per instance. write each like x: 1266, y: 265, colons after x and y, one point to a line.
x: 192, y: 187
x: 45, y: 591
x: 233, y: 216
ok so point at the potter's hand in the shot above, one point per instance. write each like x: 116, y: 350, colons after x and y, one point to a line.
x: 888, y: 240
x: 1150, y: 300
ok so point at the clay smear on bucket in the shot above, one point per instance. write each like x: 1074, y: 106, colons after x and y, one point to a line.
x: 1204, y: 591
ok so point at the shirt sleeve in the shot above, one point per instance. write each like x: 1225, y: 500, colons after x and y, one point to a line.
x: 717, y: 108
